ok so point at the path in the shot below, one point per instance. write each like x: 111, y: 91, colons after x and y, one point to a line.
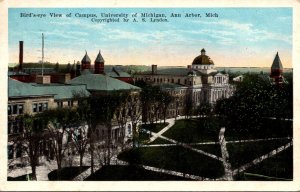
x: 263, y: 157
x: 225, y: 156
x: 187, y: 146
x: 170, y: 122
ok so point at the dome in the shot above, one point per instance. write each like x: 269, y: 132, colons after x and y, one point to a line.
x: 99, y: 58
x: 86, y: 58
x: 203, y: 59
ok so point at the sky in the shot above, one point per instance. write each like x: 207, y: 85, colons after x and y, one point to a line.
x: 238, y: 37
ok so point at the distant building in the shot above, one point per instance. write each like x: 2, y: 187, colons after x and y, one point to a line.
x: 99, y: 68
x: 277, y: 71
x: 199, y: 81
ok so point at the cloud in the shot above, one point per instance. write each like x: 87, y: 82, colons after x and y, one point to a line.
x: 244, y: 29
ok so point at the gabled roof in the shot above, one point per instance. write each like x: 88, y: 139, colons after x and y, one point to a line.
x: 59, y: 91
x: 86, y: 58
x: 20, y: 89
x: 99, y: 58
x: 277, y: 63
x: 99, y: 82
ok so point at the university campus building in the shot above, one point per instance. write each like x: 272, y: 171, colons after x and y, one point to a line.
x: 35, y: 97
x: 201, y: 82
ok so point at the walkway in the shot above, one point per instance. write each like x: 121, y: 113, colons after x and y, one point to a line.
x: 228, y: 176
x: 225, y: 156
x: 263, y: 157
x: 48, y: 166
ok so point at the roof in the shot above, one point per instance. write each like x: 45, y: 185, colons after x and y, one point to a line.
x: 10, y: 73
x: 117, y: 72
x: 59, y: 91
x: 277, y: 63
x: 179, y: 71
x: 202, y: 60
x: 86, y: 58
x: 101, y: 82
x: 99, y: 58
x: 62, y: 91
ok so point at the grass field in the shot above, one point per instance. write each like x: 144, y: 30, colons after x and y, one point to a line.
x: 194, y: 130
x: 175, y: 158
x: 279, y: 167
x: 242, y: 153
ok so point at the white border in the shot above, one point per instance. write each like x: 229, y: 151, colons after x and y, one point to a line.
x: 142, y: 186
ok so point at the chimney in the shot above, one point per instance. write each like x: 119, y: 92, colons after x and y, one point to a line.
x: 154, y: 69
x: 20, y: 55
x: 43, y: 79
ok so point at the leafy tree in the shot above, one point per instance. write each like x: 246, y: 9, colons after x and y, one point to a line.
x: 204, y: 109
x: 31, y: 138
x: 59, y: 122
x: 255, y: 98
x: 165, y: 100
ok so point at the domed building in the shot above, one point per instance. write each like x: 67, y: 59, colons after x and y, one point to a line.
x: 203, y: 62
x: 200, y: 80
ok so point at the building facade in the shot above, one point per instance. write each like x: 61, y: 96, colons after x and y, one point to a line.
x: 199, y: 81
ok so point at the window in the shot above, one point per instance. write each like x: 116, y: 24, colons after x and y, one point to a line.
x: 59, y: 104
x: 34, y: 107
x: 15, y: 109
x: 39, y: 107
x: 178, y: 81
x: 9, y: 110
x: 20, y: 109
x: 70, y: 103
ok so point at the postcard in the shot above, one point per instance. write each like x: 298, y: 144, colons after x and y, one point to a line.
x: 191, y: 95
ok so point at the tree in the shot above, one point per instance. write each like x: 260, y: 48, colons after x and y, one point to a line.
x: 255, y: 98
x: 165, y: 100
x: 59, y: 122
x: 81, y: 139
x: 188, y: 104
x: 135, y: 112
x: 204, y: 109
x: 31, y: 138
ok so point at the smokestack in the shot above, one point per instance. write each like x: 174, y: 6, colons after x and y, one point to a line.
x: 20, y: 55
x: 154, y: 69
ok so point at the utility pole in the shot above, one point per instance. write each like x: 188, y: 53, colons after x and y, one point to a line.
x: 42, y: 54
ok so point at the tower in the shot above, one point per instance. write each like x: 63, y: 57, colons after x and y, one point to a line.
x: 277, y: 70
x: 99, y: 64
x: 85, y: 62
x: 203, y: 52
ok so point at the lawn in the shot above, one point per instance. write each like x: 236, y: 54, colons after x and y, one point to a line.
x: 267, y: 128
x: 159, y: 141
x: 155, y: 127
x: 129, y: 173
x: 242, y: 153
x: 279, y: 166
x: 194, y: 130
x: 213, y: 149
x: 20, y: 178
x: 67, y: 173
x: 175, y: 158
